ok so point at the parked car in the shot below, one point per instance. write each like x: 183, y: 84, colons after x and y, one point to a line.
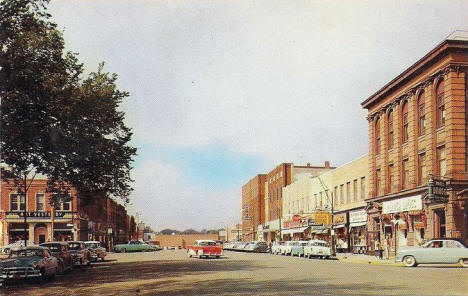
x: 80, y: 253
x: 276, y: 248
x: 96, y: 251
x: 32, y: 262
x: 61, y: 251
x: 317, y: 248
x: 286, y: 248
x: 155, y: 246
x: 133, y: 246
x: 435, y: 251
x: 257, y: 247
x: 298, y: 248
x: 204, y: 248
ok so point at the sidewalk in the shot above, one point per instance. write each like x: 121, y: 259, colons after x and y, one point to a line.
x: 366, y: 259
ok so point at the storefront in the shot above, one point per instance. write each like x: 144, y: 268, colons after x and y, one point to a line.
x: 295, y: 229
x: 271, y: 231
x: 358, y: 231
x: 39, y: 227
x: 340, y: 227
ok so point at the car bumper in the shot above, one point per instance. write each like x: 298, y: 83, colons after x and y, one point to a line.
x: 19, y: 274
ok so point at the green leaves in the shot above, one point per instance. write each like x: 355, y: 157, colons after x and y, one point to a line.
x: 52, y: 121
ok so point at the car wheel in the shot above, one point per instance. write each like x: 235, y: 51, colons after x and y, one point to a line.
x: 310, y: 256
x: 464, y: 262
x: 199, y: 255
x: 409, y: 261
x: 52, y: 276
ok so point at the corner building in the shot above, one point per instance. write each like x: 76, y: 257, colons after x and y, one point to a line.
x: 252, y: 207
x: 417, y: 132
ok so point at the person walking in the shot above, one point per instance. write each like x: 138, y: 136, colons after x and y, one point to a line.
x: 378, y: 249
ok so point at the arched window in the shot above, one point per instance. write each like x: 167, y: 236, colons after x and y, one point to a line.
x: 440, y: 100
x: 421, y: 115
x: 405, y: 122
x: 391, y: 137
x: 377, y: 136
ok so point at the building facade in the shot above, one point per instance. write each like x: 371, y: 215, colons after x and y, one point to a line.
x: 349, y: 185
x: 417, y: 133
x: 101, y: 219
x: 253, y: 213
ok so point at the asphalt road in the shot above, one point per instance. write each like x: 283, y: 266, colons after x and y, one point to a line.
x: 172, y: 273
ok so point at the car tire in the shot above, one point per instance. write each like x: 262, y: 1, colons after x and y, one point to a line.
x: 52, y: 276
x: 409, y: 261
x: 310, y: 256
x: 199, y: 255
x: 464, y: 262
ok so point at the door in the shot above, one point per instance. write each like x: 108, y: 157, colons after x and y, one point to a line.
x: 439, y: 223
x: 41, y: 238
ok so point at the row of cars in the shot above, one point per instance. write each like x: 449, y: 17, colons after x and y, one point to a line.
x: 309, y: 249
x: 47, y: 260
x: 254, y: 247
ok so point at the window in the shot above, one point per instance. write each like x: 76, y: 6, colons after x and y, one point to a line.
x: 335, y: 195
x: 377, y: 182
x: 17, y: 202
x: 421, y: 115
x: 40, y: 202
x: 348, y: 192
x: 404, y: 174
x: 377, y: 136
x: 422, y: 172
x: 341, y: 194
x: 441, y: 164
x: 440, y: 104
x: 390, y: 177
x: 355, y: 190
x: 390, y: 130
x: 405, y: 123
x: 64, y: 204
x: 363, y: 187
x: 320, y: 200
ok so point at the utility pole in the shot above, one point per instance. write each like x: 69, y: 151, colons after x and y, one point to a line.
x: 332, y: 231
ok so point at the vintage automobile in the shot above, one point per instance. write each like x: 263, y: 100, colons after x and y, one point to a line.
x: 133, y: 246
x: 155, y: 246
x: 317, y: 248
x: 96, y: 251
x: 286, y: 248
x: 435, y: 251
x: 61, y: 251
x: 276, y: 248
x: 257, y: 247
x: 32, y: 262
x: 204, y: 248
x: 79, y: 252
x: 298, y: 248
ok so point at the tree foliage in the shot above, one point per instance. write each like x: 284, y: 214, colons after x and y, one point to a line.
x: 53, y: 122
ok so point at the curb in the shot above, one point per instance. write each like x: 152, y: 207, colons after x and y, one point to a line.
x: 369, y: 262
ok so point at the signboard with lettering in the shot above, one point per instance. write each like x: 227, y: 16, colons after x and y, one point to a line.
x: 37, y: 214
x: 293, y: 224
x: 405, y: 204
x: 321, y: 218
x: 358, y: 216
x: 437, y: 189
x: 340, y: 218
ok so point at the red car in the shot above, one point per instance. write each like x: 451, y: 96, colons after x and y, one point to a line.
x: 205, y: 248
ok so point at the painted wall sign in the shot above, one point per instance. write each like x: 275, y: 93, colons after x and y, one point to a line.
x: 358, y: 216
x: 411, y: 203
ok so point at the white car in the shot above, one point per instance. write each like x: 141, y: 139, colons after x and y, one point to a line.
x: 317, y: 248
x: 276, y: 248
x: 286, y: 249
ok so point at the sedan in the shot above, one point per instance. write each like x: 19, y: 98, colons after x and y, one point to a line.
x: 435, y: 251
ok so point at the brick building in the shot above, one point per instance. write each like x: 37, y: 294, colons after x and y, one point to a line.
x: 417, y: 129
x: 281, y: 176
x: 253, y: 207
x: 101, y: 218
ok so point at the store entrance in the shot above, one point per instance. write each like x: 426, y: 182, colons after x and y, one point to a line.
x: 439, y: 223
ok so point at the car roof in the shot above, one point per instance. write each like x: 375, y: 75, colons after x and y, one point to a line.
x: 54, y: 243
x: 92, y: 242
x: 31, y: 248
x: 448, y: 239
x: 205, y: 240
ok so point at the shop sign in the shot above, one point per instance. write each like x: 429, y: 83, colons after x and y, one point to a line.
x: 296, y: 218
x: 437, y: 189
x: 321, y: 218
x: 39, y: 214
x: 294, y: 224
x: 358, y: 216
x: 340, y: 218
x: 411, y: 203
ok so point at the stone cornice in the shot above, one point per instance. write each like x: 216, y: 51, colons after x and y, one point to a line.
x: 421, y: 85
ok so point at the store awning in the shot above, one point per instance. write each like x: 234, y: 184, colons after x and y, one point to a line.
x: 339, y: 226
x: 293, y: 230
x: 357, y: 224
x: 319, y: 230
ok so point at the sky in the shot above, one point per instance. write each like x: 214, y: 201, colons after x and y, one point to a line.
x: 221, y: 91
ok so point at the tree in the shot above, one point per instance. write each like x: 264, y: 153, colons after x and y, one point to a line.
x: 54, y: 123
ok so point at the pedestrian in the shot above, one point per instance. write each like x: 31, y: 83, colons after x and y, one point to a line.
x: 378, y: 249
x: 269, y: 246
x: 387, y: 247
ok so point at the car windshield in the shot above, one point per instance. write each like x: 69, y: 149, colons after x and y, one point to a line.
x: 75, y: 246
x: 53, y: 248
x: 25, y: 253
x: 92, y: 245
x: 207, y: 244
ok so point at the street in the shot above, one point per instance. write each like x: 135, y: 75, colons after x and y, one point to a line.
x: 172, y: 273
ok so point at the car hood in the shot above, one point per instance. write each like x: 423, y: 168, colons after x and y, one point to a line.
x: 76, y: 251
x: 20, y: 262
